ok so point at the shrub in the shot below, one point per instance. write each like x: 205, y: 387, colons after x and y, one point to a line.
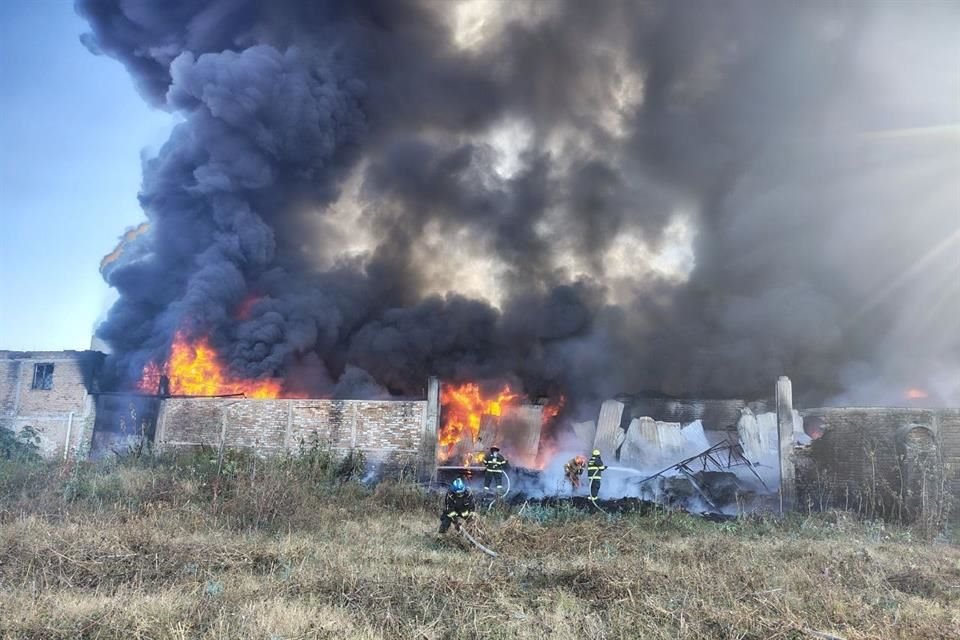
x: 21, y: 445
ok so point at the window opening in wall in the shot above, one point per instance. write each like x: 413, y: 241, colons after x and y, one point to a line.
x: 43, y: 376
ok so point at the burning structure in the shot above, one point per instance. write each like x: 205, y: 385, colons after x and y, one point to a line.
x: 718, y: 455
x: 546, y: 200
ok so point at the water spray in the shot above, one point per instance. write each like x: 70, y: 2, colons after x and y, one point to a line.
x: 626, y: 469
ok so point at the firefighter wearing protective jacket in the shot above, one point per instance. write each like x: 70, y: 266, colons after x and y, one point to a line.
x: 595, y: 468
x: 457, y: 506
x: 573, y: 470
x: 495, y: 464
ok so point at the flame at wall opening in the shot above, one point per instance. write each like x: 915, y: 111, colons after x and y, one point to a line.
x: 462, y: 409
x: 194, y: 369
x: 468, y: 412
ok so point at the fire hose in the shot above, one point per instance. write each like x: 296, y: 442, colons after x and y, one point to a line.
x: 500, y: 496
x: 597, y: 507
x: 507, y: 490
x: 473, y: 541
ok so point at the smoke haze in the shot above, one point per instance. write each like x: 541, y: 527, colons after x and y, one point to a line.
x: 585, y: 198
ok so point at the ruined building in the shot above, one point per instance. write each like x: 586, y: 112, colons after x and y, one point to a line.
x: 901, y: 463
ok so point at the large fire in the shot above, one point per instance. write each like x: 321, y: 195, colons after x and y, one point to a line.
x: 916, y: 394
x: 463, y: 408
x: 194, y: 369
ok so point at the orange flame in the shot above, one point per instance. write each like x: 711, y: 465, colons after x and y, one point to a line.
x: 463, y: 408
x: 127, y: 238
x: 194, y: 369
x: 917, y: 394
x: 552, y: 409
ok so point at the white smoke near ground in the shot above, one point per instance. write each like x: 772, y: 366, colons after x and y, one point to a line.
x: 657, y: 480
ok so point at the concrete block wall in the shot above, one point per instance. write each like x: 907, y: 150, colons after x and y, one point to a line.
x: 859, y: 452
x: 62, y: 414
x: 385, y: 431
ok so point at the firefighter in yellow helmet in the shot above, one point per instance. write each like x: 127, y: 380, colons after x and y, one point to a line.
x: 595, y: 468
x: 494, y: 462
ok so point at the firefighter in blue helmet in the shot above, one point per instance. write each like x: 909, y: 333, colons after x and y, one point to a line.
x: 457, y: 506
x: 495, y: 464
x: 595, y: 468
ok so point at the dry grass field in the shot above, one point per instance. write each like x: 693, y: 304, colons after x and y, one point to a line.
x: 294, y: 549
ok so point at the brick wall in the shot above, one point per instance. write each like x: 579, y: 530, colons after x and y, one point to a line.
x: 386, y: 431
x: 859, y: 461
x: 9, y: 383
x: 47, y: 410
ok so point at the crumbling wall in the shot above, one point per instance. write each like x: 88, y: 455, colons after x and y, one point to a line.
x: 864, y: 461
x: 386, y: 431
x: 648, y: 443
x: 715, y: 415
x: 520, y: 429
x: 609, y: 434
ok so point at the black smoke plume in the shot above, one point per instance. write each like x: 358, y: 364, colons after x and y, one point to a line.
x: 584, y: 198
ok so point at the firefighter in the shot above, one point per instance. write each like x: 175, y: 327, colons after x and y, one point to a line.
x: 574, y: 469
x: 457, y: 506
x: 494, y: 463
x: 595, y: 469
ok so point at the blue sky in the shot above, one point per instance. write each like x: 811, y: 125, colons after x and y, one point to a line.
x: 72, y: 130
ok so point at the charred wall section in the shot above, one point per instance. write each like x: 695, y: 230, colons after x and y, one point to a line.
x: 123, y: 423
x: 895, y: 463
x: 390, y: 432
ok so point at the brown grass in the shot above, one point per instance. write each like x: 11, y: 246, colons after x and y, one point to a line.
x: 146, y: 552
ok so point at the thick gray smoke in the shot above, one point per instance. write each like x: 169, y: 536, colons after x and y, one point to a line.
x: 580, y: 197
